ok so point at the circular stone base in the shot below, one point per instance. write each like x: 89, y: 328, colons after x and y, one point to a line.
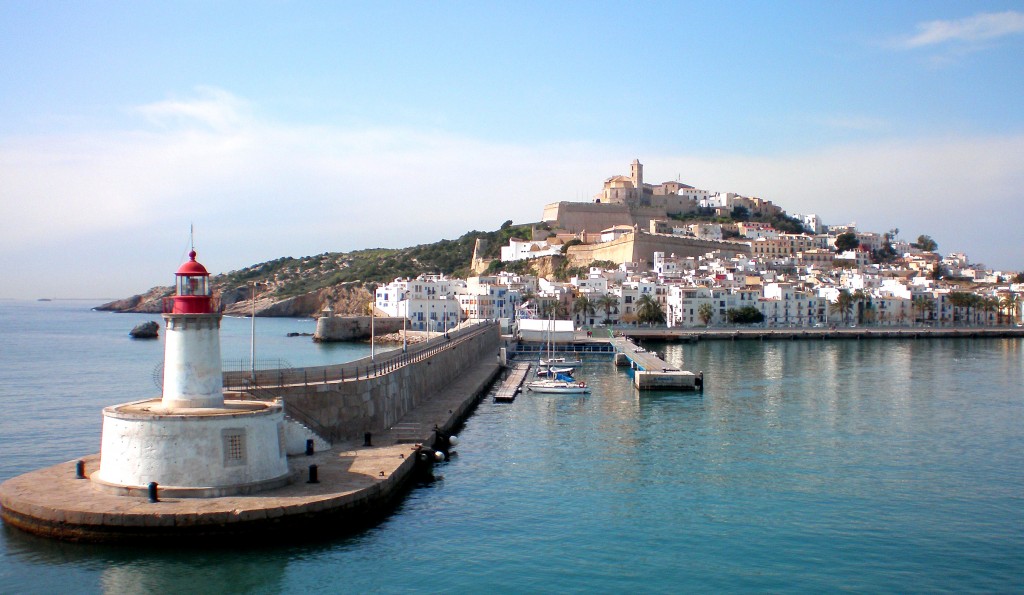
x: 238, y: 448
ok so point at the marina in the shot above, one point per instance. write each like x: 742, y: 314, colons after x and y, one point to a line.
x: 777, y: 475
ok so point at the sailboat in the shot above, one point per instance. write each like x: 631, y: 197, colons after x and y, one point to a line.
x: 550, y: 360
x: 561, y: 384
x: 552, y: 371
x: 558, y: 372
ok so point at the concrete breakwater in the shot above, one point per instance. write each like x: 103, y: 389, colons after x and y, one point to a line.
x: 339, y: 489
x: 342, y: 402
x: 354, y: 328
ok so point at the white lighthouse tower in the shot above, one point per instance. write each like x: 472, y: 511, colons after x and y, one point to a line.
x: 191, y: 441
x: 192, y: 366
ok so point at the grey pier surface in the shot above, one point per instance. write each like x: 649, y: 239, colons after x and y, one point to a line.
x: 650, y: 372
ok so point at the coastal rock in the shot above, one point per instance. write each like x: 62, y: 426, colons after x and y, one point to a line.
x: 343, y: 298
x: 145, y: 303
x: 409, y: 337
x: 146, y: 330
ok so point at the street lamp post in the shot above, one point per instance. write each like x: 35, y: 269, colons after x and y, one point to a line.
x: 252, y: 338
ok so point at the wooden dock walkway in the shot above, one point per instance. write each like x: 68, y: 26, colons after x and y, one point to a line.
x: 652, y: 372
x: 508, y: 390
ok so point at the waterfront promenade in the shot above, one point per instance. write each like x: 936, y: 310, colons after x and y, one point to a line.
x: 691, y: 334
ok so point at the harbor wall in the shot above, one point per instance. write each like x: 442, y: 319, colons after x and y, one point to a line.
x: 347, y: 409
x: 802, y: 333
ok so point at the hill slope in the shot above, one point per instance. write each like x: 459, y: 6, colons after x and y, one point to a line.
x: 343, y: 280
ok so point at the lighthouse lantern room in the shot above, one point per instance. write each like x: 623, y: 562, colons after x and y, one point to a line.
x: 193, y: 288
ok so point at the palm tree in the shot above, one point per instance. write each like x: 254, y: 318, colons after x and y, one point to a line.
x: 923, y: 305
x: 988, y: 304
x: 965, y: 300
x: 706, y: 312
x: 649, y: 310
x: 608, y: 302
x: 1010, y: 306
x: 843, y: 305
x: 859, y: 298
x: 561, y: 309
x: 584, y: 306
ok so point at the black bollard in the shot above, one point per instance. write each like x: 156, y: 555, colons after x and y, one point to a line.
x: 80, y: 470
x: 309, y: 447
x: 312, y: 475
x: 366, y: 439
x: 152, y: 492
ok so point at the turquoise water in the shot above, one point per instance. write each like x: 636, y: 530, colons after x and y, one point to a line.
x: 893, y: 466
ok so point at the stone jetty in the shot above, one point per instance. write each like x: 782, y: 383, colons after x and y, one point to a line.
x: 356, y: 484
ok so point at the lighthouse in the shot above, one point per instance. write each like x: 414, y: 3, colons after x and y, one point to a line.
x: 193, y: 376
x: 192, y: 441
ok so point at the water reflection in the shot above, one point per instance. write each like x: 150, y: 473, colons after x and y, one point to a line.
x: 210, y: 573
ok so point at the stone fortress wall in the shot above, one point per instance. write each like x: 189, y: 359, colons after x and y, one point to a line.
x: 640, y: 246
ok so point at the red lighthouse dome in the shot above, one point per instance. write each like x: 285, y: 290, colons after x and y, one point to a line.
x: 193, y: 289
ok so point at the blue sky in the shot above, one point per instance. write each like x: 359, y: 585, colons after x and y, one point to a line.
x: 290, y: 129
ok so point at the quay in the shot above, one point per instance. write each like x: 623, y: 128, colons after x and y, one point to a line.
x: 691, y: 335
x: 650, y: 372
x: 359, y: 471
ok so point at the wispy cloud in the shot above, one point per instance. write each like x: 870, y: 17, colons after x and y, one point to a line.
x: 259, y: 189
x: 214, y: 108
x: 971, y: 30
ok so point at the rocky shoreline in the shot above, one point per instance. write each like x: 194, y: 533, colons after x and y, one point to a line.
x: 410, y: 337
x: 342, y: 299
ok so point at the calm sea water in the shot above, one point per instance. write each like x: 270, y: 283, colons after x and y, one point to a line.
x: 878, y: 466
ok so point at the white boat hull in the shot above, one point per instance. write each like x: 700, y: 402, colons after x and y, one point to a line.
x: 558, y: 387
x: 560, y: 362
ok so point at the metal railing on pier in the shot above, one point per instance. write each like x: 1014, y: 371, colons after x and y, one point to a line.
x: 261, y: 384
x: 357, y: 370
x: 588, y: 347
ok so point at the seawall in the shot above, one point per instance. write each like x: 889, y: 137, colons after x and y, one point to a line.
x: 370, y: 396
x: 739, y: 334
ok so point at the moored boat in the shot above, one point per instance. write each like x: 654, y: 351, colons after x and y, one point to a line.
x: 552, y: 371
x: 561, y: 362
x: 558, y: 386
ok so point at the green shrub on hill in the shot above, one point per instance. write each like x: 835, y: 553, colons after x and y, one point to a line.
x: 289, y: 276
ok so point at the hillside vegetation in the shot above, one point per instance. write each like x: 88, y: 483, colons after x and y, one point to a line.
x: 292, y: 286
